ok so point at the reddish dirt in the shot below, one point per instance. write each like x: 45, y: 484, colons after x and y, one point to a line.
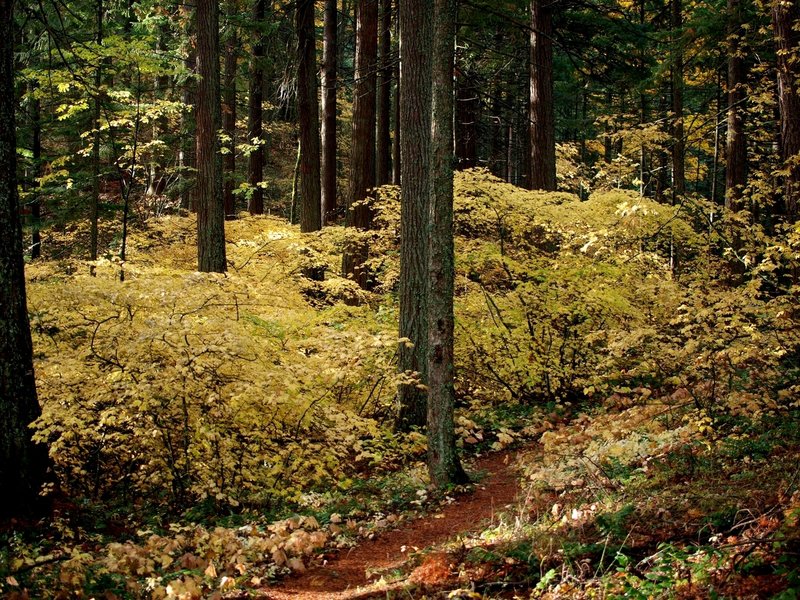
x: 345, y: 576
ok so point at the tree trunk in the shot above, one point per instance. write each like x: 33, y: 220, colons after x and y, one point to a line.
x: 362, y: 157
x: 735, y: 143
x: 383, y: 151
x: 443, y: 464
x: 188, y: 159
x: 678, y: 142
x: 467, y: 104
x: 22, y: 463
x: 36, y: 204
x: 94, y: 203
x: 308, y: 111
x: 329, y: 143
x: 255, y: 131
x: 396, y: 152
x: 785, y: 20
x: 210, y: 209
x: 542, y: 116
x: 416, y: 46
x: 229, y: 117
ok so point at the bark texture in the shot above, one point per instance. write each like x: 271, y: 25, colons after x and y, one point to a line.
x: 735, y: 143
x: 383, y: 151
x: 362, y: 157
x: 255, y: 128
x: 229, y: 118
x: 308, y: 111
x: 416, y: 46
x: 443, y: 463
x: 22, y: 463
x: 542, y: 174
x: 210, y: 210
x: 329, y: 141
x: 785, y: 20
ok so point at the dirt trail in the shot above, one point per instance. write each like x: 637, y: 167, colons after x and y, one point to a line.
x: 345, y: 576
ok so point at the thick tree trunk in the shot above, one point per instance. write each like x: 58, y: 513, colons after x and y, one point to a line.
x: 362, y: 157
x: 329, y: 142
x: 416, y: 48
x: 785, y: 22
x: 383, y: 151
x: 735, y: 143
x: 255, y: 130
x: 443, y: 463
x: 229, y: 119
x: 210, y: 210
x: 542, y: 114
x: 308, y: 111
x: 678, y: 142
x: 22, y: 463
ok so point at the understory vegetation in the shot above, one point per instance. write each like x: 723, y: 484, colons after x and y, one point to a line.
x: 213, y: 432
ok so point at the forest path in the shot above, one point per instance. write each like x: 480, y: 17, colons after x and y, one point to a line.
x: 345, y: 576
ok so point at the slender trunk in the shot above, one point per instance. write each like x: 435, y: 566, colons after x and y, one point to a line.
x: 678, y: 142
x: 187, y: 159
x: 397, y: 158
x: 229, y: 118
x: 542, y: 116
x: 22, y: 463
x: 255, y: 132
x: 329, y: 142
x: 94, y: 204
x: 210, y: 209
x: 466, y: 122
x: 384, y: 99
x: 416, y: 43
x: 362, y: 157
x: 443, y: 464
x: 785, y: 22
x: 308, y: 111
x: 736, y: 143
x: 36, y: 204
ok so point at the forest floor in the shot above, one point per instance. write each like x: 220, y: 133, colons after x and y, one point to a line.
x: 387, y: 562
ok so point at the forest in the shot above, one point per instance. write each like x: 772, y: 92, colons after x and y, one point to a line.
x: 445, y: 299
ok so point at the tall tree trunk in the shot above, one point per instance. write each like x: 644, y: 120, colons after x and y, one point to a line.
x: 329, y: 83
x: 678, y: 142
x: 187, y: 159
x: 785, y: 22
x: 22, y: 463
x: 36, y: 150
x: 383, y: 151
x: 416, y: 48
x: 255, y: 130
x: 210, y: 209
x: 229, y: 116
x: 466, y: 122
x: 542, y: 114
x: 362, y: 157
x: 308, y: 111
x: 94, y: 203
x: 735, y: 143
x: 397, y: 159
x: 443, y: 464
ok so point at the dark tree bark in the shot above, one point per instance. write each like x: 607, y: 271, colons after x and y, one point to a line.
x: 329, y: 142
x: 255, y: 131
x: 396, y: 153
x: 542, y: 115
x: 383, y: 151
x: 678, y: 142
x: 229, y: 117
x: 443, y: 463
x: 210, y: 210
x: 362, y: 157
x: 467, y: 104
x: 22, y: 463
x: 36, y: 151
x: 187, y: 159
x: 94, y: 202
x: 785, y: 21
x: 416, y: 49
x: 735, y: 143
x: 308, y: 111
